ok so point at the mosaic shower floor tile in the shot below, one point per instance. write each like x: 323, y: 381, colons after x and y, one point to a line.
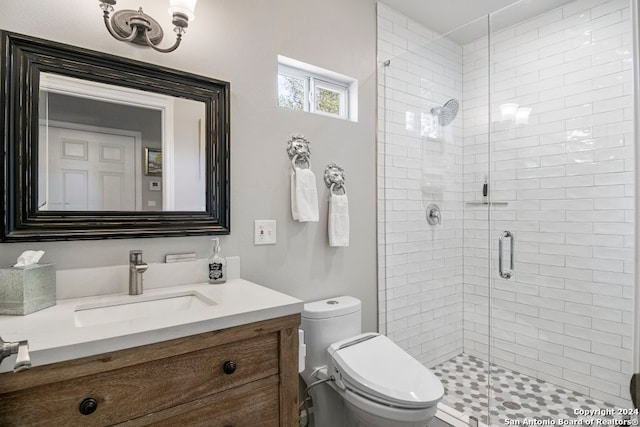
x: 518, y: 399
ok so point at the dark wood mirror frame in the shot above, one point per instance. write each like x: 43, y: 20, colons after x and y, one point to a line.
x: 23, y: 59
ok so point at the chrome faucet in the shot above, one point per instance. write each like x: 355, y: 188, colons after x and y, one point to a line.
x: 136, y: 268
x: 21, y: 348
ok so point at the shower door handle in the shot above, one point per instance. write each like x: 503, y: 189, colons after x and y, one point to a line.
x: 505, y: 274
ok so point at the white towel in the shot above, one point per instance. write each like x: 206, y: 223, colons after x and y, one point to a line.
x: 304, y: 196
x: 338, y: 220
x: 294, y: 202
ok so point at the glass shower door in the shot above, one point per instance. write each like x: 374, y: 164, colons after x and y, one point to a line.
x: 433, y: 292
x: 561, y: 197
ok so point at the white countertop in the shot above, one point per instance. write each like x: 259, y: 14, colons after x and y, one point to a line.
x: 53, y: 335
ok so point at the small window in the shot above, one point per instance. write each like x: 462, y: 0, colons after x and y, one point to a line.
x: 292, y: 91
x: 308, y: 88
x: 329, y: 98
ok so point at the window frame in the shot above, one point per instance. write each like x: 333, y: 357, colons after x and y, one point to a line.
x: 292, y: 72
x: 312, y: 81
x: 341, y: 89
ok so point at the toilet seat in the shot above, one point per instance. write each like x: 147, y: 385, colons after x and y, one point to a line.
x: 372, y: 366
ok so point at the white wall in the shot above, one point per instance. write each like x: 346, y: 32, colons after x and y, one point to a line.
x: 238, y: 41
x: 189, y: 155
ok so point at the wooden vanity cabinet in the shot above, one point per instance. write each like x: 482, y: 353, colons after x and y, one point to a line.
x: 241, y: 376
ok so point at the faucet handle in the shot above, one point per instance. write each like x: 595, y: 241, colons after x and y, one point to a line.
x: 23, y: 361
x: 21, y: 348
x: 135, y: 256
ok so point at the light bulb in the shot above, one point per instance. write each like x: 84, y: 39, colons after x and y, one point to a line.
x: 185, y: 7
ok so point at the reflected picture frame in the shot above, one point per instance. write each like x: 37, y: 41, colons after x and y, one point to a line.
x: 152, y: 161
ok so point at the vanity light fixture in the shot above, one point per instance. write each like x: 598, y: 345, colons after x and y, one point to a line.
x: 139, y: 28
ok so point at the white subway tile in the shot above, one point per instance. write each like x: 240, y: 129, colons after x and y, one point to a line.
x: 603, y: 313
x: 607, y: 326
x: 596, y: 337
x: 605, y: 8
x: 598, y: 289
x: 614, y: 278
x: 541, y: 172
x: 614, y: 302
x: 611, y: 30
x: 613, y: 228
x: 591, y: 72
x: 595, y: 264
x: 566, y: 363
x: 569, y: 181
x: 592, y: 382
x: 567, y: 273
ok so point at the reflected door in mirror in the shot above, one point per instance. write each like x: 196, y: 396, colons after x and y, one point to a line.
x: 90, y: 171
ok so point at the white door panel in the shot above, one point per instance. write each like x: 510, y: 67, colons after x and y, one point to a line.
x: 89, y: 170
x: 74, y: 190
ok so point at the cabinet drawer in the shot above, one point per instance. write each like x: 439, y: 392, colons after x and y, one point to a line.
x: 133, y: 391
x: 251, y: 405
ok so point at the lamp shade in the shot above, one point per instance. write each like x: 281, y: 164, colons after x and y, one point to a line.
x: 185, y: 7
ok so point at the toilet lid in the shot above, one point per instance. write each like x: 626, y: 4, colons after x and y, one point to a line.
x: 371, y: 364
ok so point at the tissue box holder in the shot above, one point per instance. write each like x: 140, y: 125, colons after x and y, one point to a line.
x: 24, y: 290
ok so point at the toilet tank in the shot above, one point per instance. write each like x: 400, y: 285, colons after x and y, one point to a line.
x: 325, y: 322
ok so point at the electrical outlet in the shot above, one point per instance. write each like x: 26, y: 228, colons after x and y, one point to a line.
x: 264, y: 232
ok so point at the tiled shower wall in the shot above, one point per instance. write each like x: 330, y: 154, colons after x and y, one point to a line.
x: 419, y: 163
x: 567, y: 175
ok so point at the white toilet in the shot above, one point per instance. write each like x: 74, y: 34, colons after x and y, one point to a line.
x: 373, y: 382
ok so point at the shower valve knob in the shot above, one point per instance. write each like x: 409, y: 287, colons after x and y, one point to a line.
x: 433, y: 214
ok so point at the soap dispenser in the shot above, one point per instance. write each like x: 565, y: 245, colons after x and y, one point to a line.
x: 217, y: 264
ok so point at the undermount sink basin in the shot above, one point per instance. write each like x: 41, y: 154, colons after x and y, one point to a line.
x: 138, y: 307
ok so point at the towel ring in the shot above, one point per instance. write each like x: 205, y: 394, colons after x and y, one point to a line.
x: 341, y: 187
x: 300, y: 161
x: 299, y: 150
x: 334, y: 177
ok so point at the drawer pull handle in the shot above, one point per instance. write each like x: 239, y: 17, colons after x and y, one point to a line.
x: 229, y: 367
x: 88, y: 406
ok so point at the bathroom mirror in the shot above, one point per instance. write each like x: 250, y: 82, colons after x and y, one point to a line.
x: 98, y: 146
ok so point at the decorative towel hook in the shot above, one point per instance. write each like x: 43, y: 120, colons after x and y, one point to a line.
x: 299, y: 150
x: 334, y: 177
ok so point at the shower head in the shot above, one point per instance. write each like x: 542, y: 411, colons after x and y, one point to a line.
x: 447, y: 112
